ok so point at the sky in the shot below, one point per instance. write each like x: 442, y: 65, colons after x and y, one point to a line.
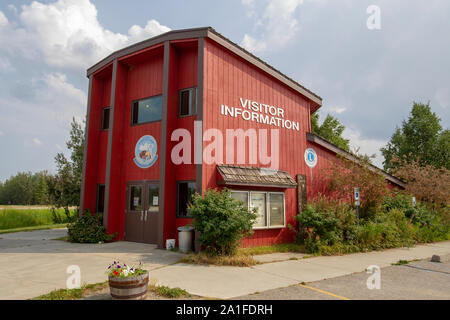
x: 368, y: 77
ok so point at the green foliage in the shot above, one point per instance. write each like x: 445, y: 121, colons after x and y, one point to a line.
x: 18, y: 218
x: 172, y: 293
x: 330, y: 129
x: 68, y: 177
x: 420, y: 138
x: 88, y: 229
x: 221, y: 220
x: 329, y: 227
x: 26, y: 188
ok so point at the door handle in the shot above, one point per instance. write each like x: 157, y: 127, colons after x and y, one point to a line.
x: 142, y: 215
x: 145, y: 218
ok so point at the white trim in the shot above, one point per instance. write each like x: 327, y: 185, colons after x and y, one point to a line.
x: 267, y: 194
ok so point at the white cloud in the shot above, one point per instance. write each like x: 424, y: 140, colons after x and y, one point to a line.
x: 1, y: 133
x: 337, y: 110
x: 67, y: 34
x: 365, y: 145
x: 12, y: 8
x: 49, y: 109
x: 36, y: 142
x: 275, y: 27
x: 151, y: 29
x: 3, y: 20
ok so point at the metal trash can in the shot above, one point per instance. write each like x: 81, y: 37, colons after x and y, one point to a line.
x: 185, y: 238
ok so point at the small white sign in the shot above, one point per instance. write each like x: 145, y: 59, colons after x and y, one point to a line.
x: 155, y: 200
x: 136, y: 201
x: 310, y: 157
x: 356, y: 193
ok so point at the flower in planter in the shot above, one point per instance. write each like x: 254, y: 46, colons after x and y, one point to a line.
x: 119, y: 270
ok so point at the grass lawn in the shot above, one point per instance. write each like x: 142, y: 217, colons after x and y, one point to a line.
x: 244, y: 256
x: 14, y: 217
x: 91, y: 289
x: 34, y: 228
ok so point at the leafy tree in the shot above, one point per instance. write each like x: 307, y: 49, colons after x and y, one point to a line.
x: 18, y: 189
x: 342, y: 178
x: 68, y: 178
x: 330, y: 129
x: 427, y: 183
x: 420, y: 139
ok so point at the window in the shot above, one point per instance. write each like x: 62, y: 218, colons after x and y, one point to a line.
x: 185, y: 191
x: 135, y: 201
x: 105, y: 118
x: 100, y: 198
x: 153, y: 198
x: 269, y: 205
x: 147, y: 110
x: 188, y: 102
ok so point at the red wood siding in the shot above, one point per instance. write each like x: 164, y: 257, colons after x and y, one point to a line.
x: 227, y: 78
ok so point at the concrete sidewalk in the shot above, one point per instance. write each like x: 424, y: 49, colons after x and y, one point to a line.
x: 38, y: 265
x: 229, y: 282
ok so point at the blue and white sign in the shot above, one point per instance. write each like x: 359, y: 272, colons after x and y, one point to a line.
x: 145, y: 152
x: 310, y: 157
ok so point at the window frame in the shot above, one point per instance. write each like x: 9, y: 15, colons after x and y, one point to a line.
x: 193, y: 103
x: 267, y: 226
x: 177, y: 213
x: 103, y: 118
x: 132, y: 110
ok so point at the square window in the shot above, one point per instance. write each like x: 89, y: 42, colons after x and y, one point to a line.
x: 105, y: 118
x: 185, y: 192
x: 147, y: 110
x: 187, y: 102
x: 270, y: 207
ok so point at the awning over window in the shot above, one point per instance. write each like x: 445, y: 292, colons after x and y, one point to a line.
x: 253, y: 176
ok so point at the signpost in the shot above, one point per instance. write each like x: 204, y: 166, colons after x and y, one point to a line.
x: 356, y: 196
x: 414, y: 202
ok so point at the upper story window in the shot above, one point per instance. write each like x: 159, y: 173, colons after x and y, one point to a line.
x: 105, y: 118
x: 146, y: 110
x: 187, y: 102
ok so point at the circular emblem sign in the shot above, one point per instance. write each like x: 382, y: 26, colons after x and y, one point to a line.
x: 145, y: 152
x: 310, y: 157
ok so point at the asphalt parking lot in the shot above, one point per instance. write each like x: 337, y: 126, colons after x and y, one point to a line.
x: 422, y: 280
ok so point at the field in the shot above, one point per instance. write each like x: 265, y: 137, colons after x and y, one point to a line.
x: 13, y: 217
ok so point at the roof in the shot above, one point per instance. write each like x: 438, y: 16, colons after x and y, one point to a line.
x: 347, y: 155
x: 210, y: 33
x: 254, y: 176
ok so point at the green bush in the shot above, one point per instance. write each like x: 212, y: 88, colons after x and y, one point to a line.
x: 221, y: 220
x: 88, y: 229
x: 329, y: 227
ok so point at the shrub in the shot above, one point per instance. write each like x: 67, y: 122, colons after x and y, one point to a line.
x: 329, y: 227
x: 88, y: 229
x: 221, y: 220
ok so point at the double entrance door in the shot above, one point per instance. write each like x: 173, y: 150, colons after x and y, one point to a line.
x: 142, y: 210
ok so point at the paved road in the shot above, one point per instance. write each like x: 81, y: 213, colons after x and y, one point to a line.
x: 422, y: 280
x: 40, y: 265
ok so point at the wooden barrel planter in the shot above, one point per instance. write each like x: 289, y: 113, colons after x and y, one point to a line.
x: 129, y: 288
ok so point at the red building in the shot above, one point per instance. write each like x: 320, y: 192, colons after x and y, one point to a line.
x: 190, y: 110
